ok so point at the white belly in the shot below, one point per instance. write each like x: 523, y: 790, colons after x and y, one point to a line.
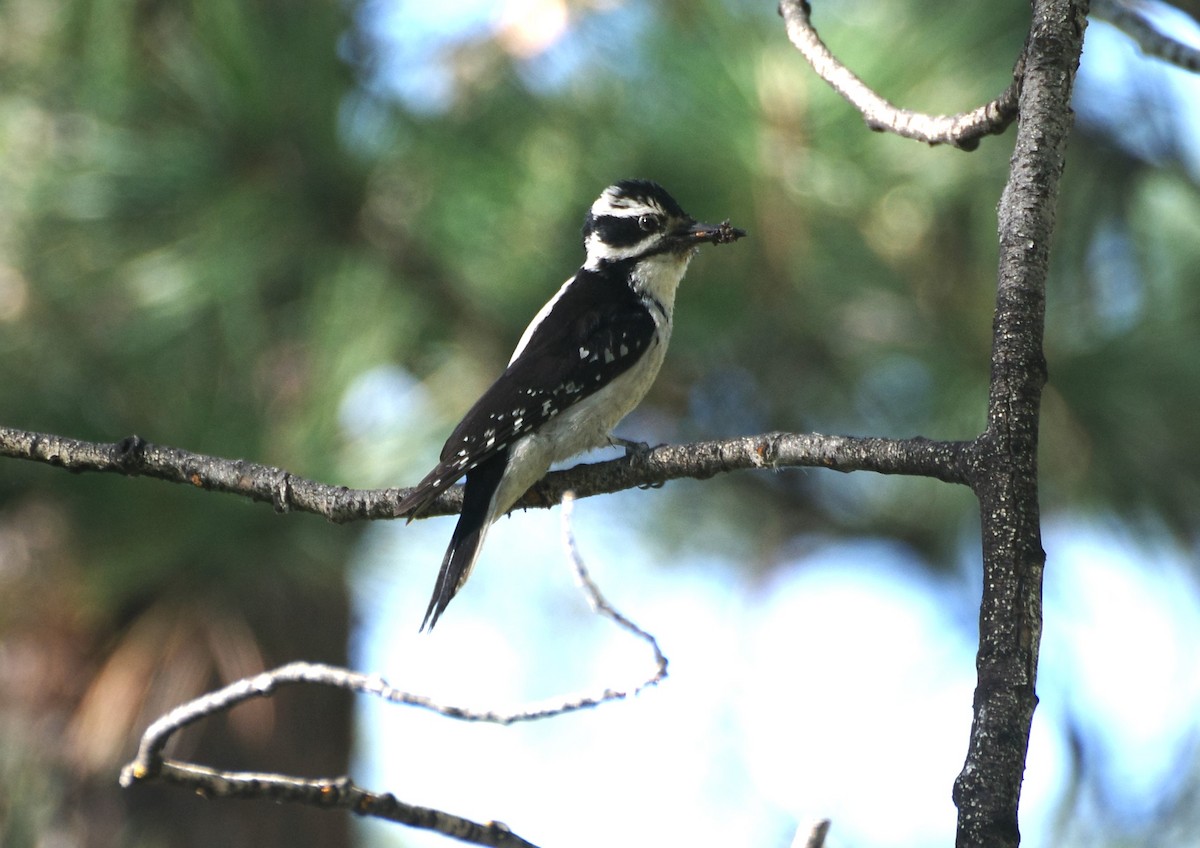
x: 584, y: 426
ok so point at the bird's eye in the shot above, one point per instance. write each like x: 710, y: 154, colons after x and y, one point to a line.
x: 649, y: 223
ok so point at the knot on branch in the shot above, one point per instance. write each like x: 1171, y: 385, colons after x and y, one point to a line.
x: 281, y: 492
x: 131, y: 453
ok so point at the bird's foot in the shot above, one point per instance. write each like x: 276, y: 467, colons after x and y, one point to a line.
x: 633, y: 450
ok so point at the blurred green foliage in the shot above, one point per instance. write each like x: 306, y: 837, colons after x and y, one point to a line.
x: 215, y: 216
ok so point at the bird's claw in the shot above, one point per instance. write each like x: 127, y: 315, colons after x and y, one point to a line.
x: 633, y: 449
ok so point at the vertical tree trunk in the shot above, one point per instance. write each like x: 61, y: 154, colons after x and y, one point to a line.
x: 1004, y: 472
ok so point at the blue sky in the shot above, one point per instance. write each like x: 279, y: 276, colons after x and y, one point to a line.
x: 840, y: 687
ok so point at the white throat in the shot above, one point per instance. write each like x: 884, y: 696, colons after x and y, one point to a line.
x: 657, y: 277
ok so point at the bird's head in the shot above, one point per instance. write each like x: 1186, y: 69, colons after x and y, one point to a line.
x: 634, y: 219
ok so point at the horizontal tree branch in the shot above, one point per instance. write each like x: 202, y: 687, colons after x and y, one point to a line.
x: 963, y: 130
x: 287, y: 492
x: 335, y: 793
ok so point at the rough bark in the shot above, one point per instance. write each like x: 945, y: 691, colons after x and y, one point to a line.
x: 1004, y: 460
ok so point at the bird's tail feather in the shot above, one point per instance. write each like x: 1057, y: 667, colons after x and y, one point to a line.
x: 478, y: 513
x: 456, y: 568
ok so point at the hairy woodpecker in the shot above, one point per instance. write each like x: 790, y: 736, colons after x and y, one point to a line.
x: 584, y: 362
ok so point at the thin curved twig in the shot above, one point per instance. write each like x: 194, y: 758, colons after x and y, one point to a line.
x: 341, y: 792
x: 1152, y: 42
x: 287, y: 492
x: 600, y: 604
x: 334, y: 793
x: 963, y: 131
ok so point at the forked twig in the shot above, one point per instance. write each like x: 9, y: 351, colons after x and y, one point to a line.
x: 963, y: 130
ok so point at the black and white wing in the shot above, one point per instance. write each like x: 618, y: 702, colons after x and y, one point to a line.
x: 592, y: 332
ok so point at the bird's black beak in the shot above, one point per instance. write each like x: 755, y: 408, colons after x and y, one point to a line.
x: 722, y: 233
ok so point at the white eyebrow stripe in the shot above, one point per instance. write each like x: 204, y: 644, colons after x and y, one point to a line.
x: 624, y: 211
x: 623, y: 207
